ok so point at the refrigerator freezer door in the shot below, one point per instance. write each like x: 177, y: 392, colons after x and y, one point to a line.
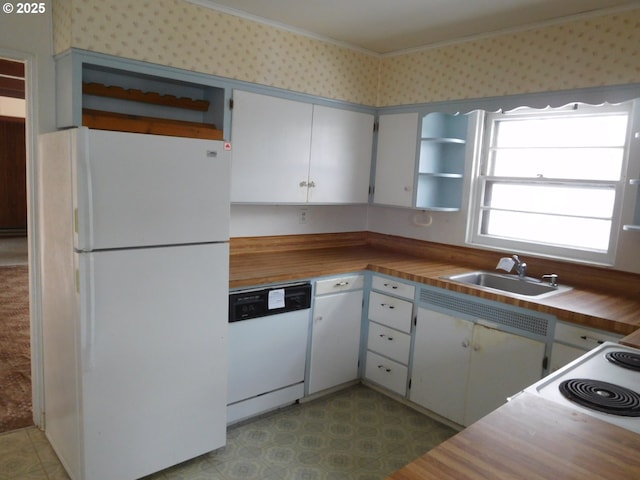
x: 135, y: 190
x: 154, y: 362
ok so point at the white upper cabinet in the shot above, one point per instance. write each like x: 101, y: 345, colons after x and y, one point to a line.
x: 396, y: 159
x: 271, y: 147
x: 286, y: 151
x: 340, y: 166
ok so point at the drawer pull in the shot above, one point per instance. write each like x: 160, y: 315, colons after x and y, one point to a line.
x: 385, y: 368
x: 382, y: 335
x: 341, y: 284
x: 389, y: 285
x: 386, y: 305
x: 591, y: 339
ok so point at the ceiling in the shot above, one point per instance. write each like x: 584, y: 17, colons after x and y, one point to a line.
x: 385, y: 26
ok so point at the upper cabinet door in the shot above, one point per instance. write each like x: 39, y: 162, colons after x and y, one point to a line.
x: 396, y: 159
x: 340, y: 165
x: 271, y: 148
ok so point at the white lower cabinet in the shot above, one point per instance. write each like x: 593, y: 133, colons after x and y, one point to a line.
x: 441, y: 363
x: 573, y: 341
x: 387, y: 373
x: 502, y: 364
x: 390, y: 311
x: 464, y: 370
x: 389, y: 336
x: 389, y: 342
x: 335, y: 337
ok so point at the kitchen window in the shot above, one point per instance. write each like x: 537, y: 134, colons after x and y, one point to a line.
x: 550, y: 181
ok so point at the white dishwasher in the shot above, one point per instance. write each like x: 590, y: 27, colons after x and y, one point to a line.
x: 268, y: 333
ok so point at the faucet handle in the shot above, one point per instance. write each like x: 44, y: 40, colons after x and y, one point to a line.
x: 553, y: 279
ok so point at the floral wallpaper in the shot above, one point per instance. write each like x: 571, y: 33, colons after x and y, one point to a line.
x: 594, y: 51
x: 583, y: 53
x: 61, y: 12
x: 188, y: 36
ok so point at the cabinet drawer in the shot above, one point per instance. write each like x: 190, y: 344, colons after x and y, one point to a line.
x: 582, y: 337
x: 339, y: 284
x: 390, y: 311
x: 390, y: 343
x: 387, y: 373
x: 394, y: 287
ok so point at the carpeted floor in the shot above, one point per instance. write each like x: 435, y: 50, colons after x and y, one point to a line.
x: 15, y: 354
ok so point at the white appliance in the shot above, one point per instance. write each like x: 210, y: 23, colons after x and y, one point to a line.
x: 268, y: 336
x: 603, y: 383
x: 135, y: 289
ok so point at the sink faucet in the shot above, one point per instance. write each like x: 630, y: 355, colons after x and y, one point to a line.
x: 553, y: 279
x: 521, y: 267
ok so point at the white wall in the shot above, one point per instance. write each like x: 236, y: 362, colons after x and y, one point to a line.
x: 262, y: 220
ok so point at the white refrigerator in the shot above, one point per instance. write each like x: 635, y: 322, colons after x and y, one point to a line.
x: 135, y: 266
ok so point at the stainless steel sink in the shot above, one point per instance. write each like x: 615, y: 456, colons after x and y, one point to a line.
x: 526, y: 287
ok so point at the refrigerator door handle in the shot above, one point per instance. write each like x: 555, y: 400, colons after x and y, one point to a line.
x: 83, y: 192
x: 87, y: 307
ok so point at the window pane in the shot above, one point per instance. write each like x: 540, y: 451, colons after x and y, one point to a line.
x: 568, y: 163
x: 564, y: 131
x: 550, y: 230
x: 552, y: 199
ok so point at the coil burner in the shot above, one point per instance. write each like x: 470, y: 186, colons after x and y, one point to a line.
x: 602, y: 396
x: 625, y: 359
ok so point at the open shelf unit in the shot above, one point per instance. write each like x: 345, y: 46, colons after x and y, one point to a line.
x: 441, y: 161
x: 109, y: 93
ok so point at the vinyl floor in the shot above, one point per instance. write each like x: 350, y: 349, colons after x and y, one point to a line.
x: 355, y: 434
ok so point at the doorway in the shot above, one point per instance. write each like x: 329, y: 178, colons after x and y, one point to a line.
x: 15, y: 351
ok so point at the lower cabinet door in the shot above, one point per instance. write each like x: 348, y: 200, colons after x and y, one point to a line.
x: 387, y: 373
x: 502, y: 364
x: 335, y: 340
x: 441, y: 363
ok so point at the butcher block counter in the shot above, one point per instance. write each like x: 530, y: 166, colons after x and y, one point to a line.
x: 600, y: 298
x: 530, y: 438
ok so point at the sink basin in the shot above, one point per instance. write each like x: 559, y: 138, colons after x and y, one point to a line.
x: 526, y: 287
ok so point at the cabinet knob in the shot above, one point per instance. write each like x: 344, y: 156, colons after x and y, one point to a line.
x: 384, y: 368
x: 386, y: 305
x: 389, y: 285
x: 312, y: 184
x: 341, y: 284
x: 303, y: 183
x: 382, y: 335
x: 407, y: 189
x: 465, y: 344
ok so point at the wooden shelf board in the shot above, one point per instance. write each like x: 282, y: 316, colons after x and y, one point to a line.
x: 102, y: 120
x: 136, y: 95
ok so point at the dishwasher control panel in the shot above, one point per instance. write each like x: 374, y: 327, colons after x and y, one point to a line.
x: 247, y: 304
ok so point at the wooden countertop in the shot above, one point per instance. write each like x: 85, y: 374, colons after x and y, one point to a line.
x: 531, y: 438
x: 604, y: 310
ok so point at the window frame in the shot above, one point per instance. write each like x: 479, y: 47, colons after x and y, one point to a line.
x: 480, y: 182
